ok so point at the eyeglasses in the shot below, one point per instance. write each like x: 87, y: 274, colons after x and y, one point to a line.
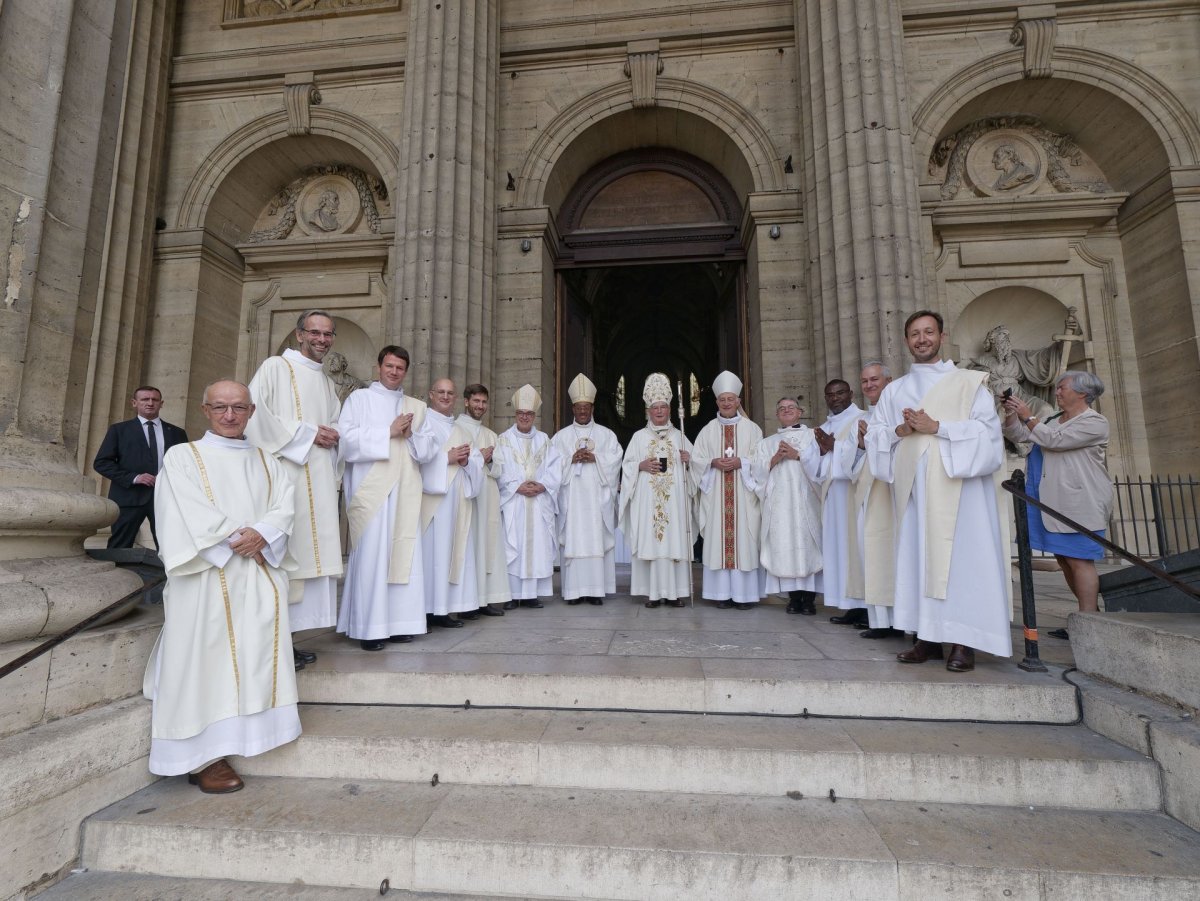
x: 785, y: 407
x: 222, y: 409
x: 317, y: 333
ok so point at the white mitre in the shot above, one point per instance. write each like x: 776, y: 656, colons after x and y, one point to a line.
x: 727, y: 383
x: 581, y: 390
x: 527, y: 398
x: 657, y: 390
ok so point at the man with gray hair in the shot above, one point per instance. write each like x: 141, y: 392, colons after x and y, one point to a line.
x: 297, y: 404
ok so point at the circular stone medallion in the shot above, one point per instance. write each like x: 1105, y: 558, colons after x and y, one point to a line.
x: 1006, y: 163
x: 328, y: 205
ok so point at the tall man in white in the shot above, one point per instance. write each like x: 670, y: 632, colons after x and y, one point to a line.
x: 487, y: 531
x: 385, y: 440
x: 786, y: 467
x: 871, y: 578
x: 656, y: 511
x: 728, y: 502
x: 587, y: 500
x: 530, y: 472
x: 937, y: 440
x: 219, y: 675
x: 841, y: 460
x: 297, y: 406
x: 452, y: 480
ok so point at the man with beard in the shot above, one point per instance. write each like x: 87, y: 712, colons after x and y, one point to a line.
x: 487, y: 531
x: 587, y: 500
x: 937, y: 440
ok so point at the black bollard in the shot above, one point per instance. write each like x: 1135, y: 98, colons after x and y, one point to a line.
x: 1032, y: 662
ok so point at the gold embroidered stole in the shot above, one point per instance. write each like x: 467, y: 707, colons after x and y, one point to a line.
x: 729, y: 501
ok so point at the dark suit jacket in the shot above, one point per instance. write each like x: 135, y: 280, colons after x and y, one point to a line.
x: 125, y: 454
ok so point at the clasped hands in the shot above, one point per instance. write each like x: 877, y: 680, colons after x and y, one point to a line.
x: 824, y: 441
x: 247, y: 542
x: 459, y: 454
x: 726, y: 464
x: 785, y: 452
x: 401, y: 426
x: 583, y: 455
x: 326, y: 437
x: 530, y: 488
x: 917, y: 422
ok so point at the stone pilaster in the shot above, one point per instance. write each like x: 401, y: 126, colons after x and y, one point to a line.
x: 445, y: 206
x: 861, y: 208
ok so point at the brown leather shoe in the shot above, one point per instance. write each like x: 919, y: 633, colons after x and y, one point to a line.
x: 217, y: 779
x: 961, y: 659
x: 921, y: 651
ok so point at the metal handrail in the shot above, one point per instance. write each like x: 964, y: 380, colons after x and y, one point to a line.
x: 13, y: 665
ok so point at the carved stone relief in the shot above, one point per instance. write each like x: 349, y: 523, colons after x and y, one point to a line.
x: 325, y: 201
x: 642, y: 67
x: 337, y: 368
x: 250, y: 12
x: 1036, y: 30
x: 1013, y: 155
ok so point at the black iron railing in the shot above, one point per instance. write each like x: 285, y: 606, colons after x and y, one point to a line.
x: 1156, y: 516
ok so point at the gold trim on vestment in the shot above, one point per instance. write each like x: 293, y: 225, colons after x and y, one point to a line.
x: 262, y: 458
x: 312, y: 512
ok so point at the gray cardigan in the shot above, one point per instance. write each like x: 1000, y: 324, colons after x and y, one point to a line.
x: 1074, y: 480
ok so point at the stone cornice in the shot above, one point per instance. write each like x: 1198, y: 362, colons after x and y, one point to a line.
x: 926, y: 17
x: 185, y: 243
x: 318, y: 253
x: 1044, y: 215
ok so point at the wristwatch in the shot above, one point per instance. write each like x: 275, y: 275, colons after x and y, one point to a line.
x: 1028, y: 420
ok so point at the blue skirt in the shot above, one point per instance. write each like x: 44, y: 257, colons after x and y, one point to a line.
x: 1068, y: 544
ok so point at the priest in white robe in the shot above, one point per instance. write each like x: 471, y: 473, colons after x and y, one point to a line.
x: 530, y: 473
x: 728, y: 503
x: 937, y: 441
x: 487, y: 530
x: 656, y: 510
x: 221, y: 676
x: 296, y: 408
x: 841, y: 460
x: 873, y: 532
x: 384, y: 441
x: 786, y: 467
x: 587, y: 500
x: 452, y: 480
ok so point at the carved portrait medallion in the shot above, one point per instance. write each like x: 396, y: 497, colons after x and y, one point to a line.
x: 328, y: 205
x: 1006, y: 162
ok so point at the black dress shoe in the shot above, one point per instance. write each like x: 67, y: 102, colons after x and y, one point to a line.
x: 961, y: 659
x: 510, y: 605
x: 1060, y: 633
x: 371, y: 645
x: 653, y: 604
x: 677, y: 602
x: 724, y: 605
x: 491, y: 610
x: 574, y: 602
x: 447, y: 622
x: 740, y: 606
x: 596, y: 602
x: 921, y: 651
x: 298, y: 663
x: 400, y: 639
x: 469, y: 615
x: 303, y: 656
x: 533, y: 603
x: 851, y: 617
x: 880, y: 633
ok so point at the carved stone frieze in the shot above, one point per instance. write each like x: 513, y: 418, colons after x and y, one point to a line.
x: 1013, y: 155
x: 1036, y: 30
x: 642, y: 68
x: 252, y: 12
x: 299, y: 95
x: 325, y: 201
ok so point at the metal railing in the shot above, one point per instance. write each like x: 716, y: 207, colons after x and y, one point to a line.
x: 1015, y: 485
x: 1158, y: 516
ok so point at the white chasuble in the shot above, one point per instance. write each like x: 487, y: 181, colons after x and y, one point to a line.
x: 790, y: 540
x: 587, y: 510
x: 838, y: 470
x: 446, y: 513
x: 529, y: 522
x: 657, y: 515
x: 221, y: 675
x: 292, y: 396
x: 487, y: 531
x: 729, y: 511
x: 384, y: 594
x: 952, y: 581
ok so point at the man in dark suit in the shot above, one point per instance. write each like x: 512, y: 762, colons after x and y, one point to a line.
x: 130, y: 457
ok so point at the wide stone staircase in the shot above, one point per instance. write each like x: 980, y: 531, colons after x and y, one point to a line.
x: 622, y: 753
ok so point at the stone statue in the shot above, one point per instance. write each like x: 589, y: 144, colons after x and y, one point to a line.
x: 1012, y: 169
x: 1029, y: 373
x: 336, y: 367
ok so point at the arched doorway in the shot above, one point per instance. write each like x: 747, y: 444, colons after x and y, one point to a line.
x: 650, y: 277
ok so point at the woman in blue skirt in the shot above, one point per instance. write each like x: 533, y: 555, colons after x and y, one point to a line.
x: 1066, y: 471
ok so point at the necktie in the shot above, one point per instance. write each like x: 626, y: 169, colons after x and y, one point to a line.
x: 152, y: 440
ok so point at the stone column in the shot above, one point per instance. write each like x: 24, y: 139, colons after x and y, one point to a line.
x: 65, y: 77
x: 861, y: 206
x: 445, y: 199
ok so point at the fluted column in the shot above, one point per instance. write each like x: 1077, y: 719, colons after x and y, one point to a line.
x: 445, y: 216
x: 864, y: 264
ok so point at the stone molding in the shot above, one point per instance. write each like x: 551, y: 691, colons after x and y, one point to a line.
x: 290, y: 204
x: 300, y: 94
x: 642, y: 67
x: 238, y: 13
x: 1035, y: 31
x: 717, y: 107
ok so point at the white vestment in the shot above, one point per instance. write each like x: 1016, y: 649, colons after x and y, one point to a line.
x: 729, y: 513
x: 838, y: 470
x: 657, y: 515
x: 529, y: 522
x: 221, y: 674
x: 953, y: 581
x: 446, y: 512
x: 384, y: 594
x: 487, y: 530
x: 587, y: 511
x: 790, y: 536
x: 293, y: 395
x: 875, y: 545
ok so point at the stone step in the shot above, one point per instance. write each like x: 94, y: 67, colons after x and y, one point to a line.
x: 1056, y: 766
x: 997, y: 691
x: 581, y: 843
